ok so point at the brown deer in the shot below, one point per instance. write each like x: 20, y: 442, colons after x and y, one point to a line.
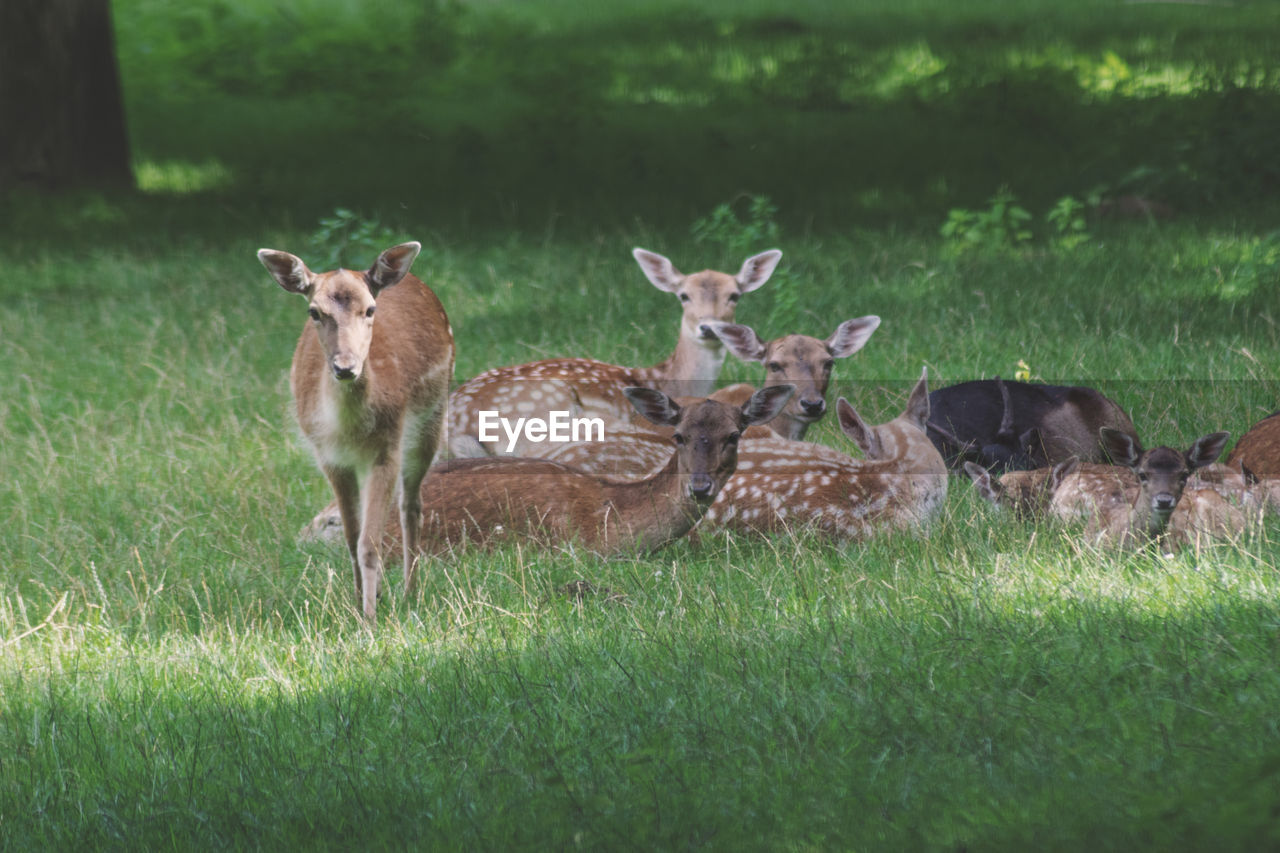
x: 481, y: 500
x: 1025, y: 493
x: 1259, y: 449
x: 370, y: 378
x: 1094, y: 490
x: 786, y: 485
x: 585, y: 386
x: 1121, y: 513
x: 801, y: 361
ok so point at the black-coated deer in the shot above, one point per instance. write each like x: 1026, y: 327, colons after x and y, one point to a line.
x: 1005, y: 425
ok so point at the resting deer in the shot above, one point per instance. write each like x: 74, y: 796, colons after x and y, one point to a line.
x: 370, y: 378
x: 1019, y: 425
x: 483, y: 499
x: 1121, y: 513
x: 1025, y: 493
x: 785, y: 485
x: 1259, y: 449
x: 801, y: 361
x: 588, y: 387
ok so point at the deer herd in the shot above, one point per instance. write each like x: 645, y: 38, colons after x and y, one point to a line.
x: 371, y: 389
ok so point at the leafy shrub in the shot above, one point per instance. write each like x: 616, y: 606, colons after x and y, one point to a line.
x: 347, y: 240
x: 1000, y: 226
x: 737, y: 238
x: 1067, y: 219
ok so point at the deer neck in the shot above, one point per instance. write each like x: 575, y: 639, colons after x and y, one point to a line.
x: 690, y: 371
x: 789, y: 427
x: 655, y: 510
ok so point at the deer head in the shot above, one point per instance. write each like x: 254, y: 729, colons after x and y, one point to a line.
x: 342, y: 303
x: 706, y: 296
x: 799, y: 360
x: 1162, y: 474
x: 706, y: 433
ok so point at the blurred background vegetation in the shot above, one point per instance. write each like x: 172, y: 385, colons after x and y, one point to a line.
x: 470, y: 115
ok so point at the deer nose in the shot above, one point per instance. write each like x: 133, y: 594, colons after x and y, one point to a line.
x: 343, y: 373
x: 701, y: 485
x: 706, y: 332
x: 813, y: 408
x: 1164, y: 502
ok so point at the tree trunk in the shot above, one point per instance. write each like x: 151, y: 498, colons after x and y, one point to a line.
x: 61, y: 113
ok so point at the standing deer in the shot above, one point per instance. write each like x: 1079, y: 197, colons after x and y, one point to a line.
x: 1120, y: 513
x: 799, y: 360
x: 480, y: 500
x: 786, y: 485
x: 594, y: 388
x: 370, y: 378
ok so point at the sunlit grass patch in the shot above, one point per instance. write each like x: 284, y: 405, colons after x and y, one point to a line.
x: 178, y: 177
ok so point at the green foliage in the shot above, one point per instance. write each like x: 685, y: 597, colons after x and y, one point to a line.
x: 866, y: 114
x: 177, y: 672
x: 739, y: 237
x: 1002, y: 226
x: 1067, y: 219
x: 346, y: 239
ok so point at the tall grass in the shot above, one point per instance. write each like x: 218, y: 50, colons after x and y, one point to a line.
x: 176, y: 672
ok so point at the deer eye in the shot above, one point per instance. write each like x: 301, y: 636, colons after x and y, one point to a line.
x: 679, y: 439
x: 684, y: 297
x: 827, y: 365
x: 733, y: 298
x: 773, y: 367
x: 1142, y: 476
x: 732, y: 438
x: 369, y: 311
x: 315, y: 314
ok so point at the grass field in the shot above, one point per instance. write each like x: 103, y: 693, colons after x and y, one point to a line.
x: 176, y: 672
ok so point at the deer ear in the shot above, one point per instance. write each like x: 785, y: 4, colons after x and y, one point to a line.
x: 660, y: 271
x: 653, y: 405
x: 288, y: 270
x: 1061, y: 471
x: 988, y: 488
x: 392, y: 266
x: 1207, y: 449
x: 918, y: 403
x: 852, y: 425
x: 766, y: 404
x: 757, y: 269
x: 1123, y: 448
x: 851, y: 335
x: 740, y: 340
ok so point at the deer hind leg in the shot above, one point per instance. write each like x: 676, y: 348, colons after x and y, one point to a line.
x: 375, y: 499
x: 421, y: 442
x: 347, y: 490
